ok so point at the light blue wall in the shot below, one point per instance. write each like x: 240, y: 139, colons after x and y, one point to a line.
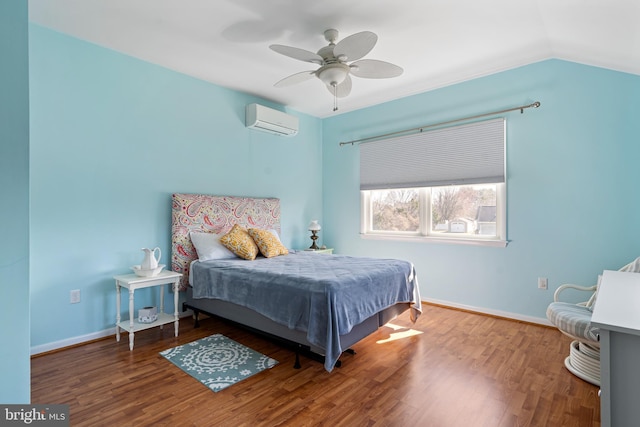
x: 573, y: 175
x: 15, y: 382
x: 112, y: 137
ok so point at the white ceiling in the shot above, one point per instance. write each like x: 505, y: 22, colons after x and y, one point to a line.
x: 437, y: 42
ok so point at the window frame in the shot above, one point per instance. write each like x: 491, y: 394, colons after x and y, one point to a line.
x: 424, y: 233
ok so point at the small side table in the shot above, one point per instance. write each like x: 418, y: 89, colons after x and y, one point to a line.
x: 320, y: 251
x: 133, y: 282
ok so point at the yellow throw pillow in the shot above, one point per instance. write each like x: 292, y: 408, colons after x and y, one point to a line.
x: 240, y: 243
x: 268, y: 243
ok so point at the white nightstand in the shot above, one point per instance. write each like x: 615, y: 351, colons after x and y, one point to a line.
x: 320, y: 251
x: 133, y: 282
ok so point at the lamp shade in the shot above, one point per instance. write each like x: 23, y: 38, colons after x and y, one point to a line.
x: 314, y: 226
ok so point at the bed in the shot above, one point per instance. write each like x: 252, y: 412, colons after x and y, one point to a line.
x: 319, y: 304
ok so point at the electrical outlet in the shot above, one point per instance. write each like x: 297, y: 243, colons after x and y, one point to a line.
x: 542, y: 283
x: 75, y: 296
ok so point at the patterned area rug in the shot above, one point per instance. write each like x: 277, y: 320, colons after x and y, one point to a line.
x: 217, y: 361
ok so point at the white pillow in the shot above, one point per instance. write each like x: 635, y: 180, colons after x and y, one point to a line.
x: 208, y: 246
x: 275, y: 233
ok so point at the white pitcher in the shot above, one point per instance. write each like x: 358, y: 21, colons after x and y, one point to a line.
x: 150, y: 261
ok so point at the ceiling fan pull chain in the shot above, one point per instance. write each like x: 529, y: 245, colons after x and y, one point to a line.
x: 335, y: 97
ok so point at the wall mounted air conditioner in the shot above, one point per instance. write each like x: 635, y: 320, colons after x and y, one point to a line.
x: 266, y: 119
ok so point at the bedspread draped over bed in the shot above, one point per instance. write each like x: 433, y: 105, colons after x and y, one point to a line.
x: 324, y: 296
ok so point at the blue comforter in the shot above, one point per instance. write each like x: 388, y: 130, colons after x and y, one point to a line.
x: 322, y: 295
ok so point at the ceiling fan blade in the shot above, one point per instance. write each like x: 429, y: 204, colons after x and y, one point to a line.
x: 374, y: 69
x: 343, y: 89
x: 295, y: 78
x: 296, y: 53
x: 355, y: 46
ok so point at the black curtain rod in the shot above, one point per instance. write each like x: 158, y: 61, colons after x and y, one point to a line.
x: 421, y: 128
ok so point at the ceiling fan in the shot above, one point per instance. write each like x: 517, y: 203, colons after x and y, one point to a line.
x: 335, y: 61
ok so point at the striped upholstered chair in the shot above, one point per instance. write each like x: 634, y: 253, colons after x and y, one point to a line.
x: 574, y: 320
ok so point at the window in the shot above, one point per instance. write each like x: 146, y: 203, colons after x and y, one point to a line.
x: 395, y: 210
x: 463, y: 213
x: 445, y: 185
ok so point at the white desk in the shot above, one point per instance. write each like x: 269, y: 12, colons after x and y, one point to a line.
x: 617, y: 313
x: 133, y: 282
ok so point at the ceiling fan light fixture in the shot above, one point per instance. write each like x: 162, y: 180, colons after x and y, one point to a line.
x: 333, y: 74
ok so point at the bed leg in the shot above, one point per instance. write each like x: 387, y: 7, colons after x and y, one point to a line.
x: 350, y: 351
x: 196, y: 321
x: 297, y: 365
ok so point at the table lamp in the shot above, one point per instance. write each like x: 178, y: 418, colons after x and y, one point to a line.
x: 314, y: 227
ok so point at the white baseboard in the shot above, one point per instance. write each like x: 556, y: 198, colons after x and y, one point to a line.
x: 498, y: 313
x: 43, y: 348
x: 56, y: 345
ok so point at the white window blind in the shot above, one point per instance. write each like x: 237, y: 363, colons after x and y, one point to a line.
x: 467, y: 154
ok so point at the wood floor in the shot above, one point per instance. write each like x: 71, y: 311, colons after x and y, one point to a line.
x: 450, y: 369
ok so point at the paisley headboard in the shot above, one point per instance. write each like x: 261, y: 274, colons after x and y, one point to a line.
x: 214, y: 214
